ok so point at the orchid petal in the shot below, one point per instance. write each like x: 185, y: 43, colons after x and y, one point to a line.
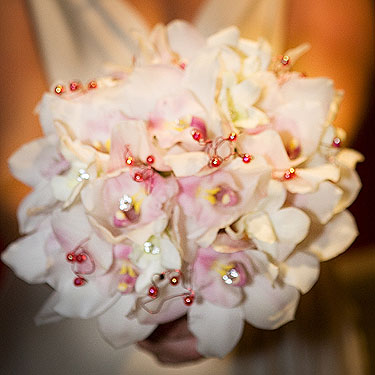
x: 267, y: 305
x: 217, y: 329
x: 27, y: 257
x: 335, y: 237
x: 184, y: 39
x: 117, y: 329
x: 301, y: 270
x: 84, y: 301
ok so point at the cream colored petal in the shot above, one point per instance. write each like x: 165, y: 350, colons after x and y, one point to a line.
x: 301, y: 270
x: 187, y: 164
x: 335, y: 237
x: 267, y: 305
x: 217, y: 329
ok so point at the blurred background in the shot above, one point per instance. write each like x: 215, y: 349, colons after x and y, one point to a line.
x: 75, y: 347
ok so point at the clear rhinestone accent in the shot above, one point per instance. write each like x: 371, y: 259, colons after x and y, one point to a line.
x: 150, y: 248
x: 126, y: 203
x: 82, y: 175
x: 230, y: 276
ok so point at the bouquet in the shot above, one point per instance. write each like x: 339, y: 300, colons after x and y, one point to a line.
x: 205, y: 180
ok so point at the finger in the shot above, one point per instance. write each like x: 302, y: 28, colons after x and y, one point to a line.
x: 173, y: 351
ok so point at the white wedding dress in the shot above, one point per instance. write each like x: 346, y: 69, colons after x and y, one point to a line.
x: 76, y: 37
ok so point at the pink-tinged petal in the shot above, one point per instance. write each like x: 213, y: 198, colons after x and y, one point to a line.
x: 217, y: 200
x: 131, y: 138
x: 83, y: 301
x: 299, y: 109
x: 71, y: 227
x: 146, y: 86
x: 217, y: 329
x: 117, y: 329
x: 218, y: 293
x: 101, y: 251
x: 301, y: 270
x: 269, y: 305
x: 148, y: 211
x: 200, y: 77
x: 35, y: 161
x: 321, y: 203
x: 27, y: 257
x: 307, y: 180
x: 213, y: 277
x: 187, y: 164
x: 47, y: 314
x: 35, y: 207
x: 301, y: 121
x: 268, y: 144
x: 89, y: 117
x: 174, y: 118
x: 184, y: 39
x: 335, y: 237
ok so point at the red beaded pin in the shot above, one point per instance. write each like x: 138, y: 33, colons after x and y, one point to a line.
x: 79, y: 281
x: 153, y: 292
x: 59, y: 89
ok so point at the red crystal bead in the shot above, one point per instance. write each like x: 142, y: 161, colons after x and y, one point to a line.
x: 74, y: 86
x: 79, y: 281
x: 196, y: 134
x: 215, y: 161
x: 232, y: 137
x: 174, y: 280
x: 80, y: 258
x: 285, y: 60
x: 336, y: 142
x: 129, y: 160
x: 138, y: 177
x: 182, y: 65
x: 92, y: 85
x: 59, y: 89
x: 70, y: 257
x: 289, y: 174
x: 247, y: 158
x: 150, y: 159
x: 153, y: 291
x: 188, y: 300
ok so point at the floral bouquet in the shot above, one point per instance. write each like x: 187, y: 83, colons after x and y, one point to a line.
x: 205, y: 180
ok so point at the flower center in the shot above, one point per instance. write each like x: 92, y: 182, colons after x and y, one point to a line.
x: 150, y: 248
x: 231, y: 273
x: 128, y: 277
x: 293, y: 149
x: 222, y: 196
x: 128, y: 211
